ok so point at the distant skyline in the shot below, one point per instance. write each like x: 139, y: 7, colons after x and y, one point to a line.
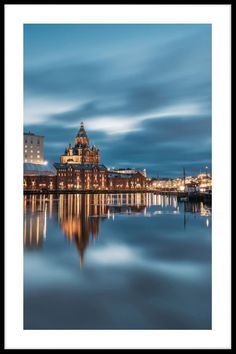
x: 142, y: 91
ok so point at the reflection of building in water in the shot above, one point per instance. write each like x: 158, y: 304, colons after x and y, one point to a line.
x: 79, y: 217
x: 204, y: 209
x: 197, y: 207
x: 36, y: 209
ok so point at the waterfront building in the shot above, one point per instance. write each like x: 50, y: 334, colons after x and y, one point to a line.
x: 81, y: 153
x: 81, y: 176
x: 38, y: 177
x: 80, y: 169
x: 162, y: 184
x: 33, y: 148
x: 204, y: 182
x: 122, y: 181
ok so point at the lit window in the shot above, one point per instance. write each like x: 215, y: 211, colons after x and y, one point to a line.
x: 25, y: 150
x: 31, y: 150
x: 38, y: 151
x: 38, y: 156
x: 25, y: 160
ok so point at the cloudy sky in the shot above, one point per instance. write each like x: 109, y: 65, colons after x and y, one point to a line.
x: 142, y: 91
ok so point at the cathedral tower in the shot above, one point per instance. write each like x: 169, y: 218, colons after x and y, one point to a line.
x: 81, y: 137
x: 81, y: 153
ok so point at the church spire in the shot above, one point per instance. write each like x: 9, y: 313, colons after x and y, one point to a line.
x: 82, y: 132
x: 81, y: 137
x: 81, y: 153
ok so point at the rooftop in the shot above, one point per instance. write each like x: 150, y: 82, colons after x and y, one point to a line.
x: 120, y: 175
x: 82, y: 132
x: 76, y: 166
x: 123, y: 175
x: 39, y: 169
x: 32, y: 134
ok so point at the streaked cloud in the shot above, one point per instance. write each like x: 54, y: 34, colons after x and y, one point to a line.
x: 145, y: 87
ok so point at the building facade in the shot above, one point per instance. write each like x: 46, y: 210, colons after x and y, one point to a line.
x: 81, y: 176
x: 39, y: 177
x: 161, y: 184
x: 33, y: 148
x: 80, y: 169
x: 121, y: 181
x: 81, y: 153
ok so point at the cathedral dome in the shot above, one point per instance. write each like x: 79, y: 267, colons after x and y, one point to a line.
x: 81, y: 133
x: 81, y: 152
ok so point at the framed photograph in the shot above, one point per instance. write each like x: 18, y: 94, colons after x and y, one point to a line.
x: 118, y: 200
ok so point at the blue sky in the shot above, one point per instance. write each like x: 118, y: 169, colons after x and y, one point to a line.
x: 142, y: 91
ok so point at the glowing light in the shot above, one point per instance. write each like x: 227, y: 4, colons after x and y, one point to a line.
x: 45, y: 223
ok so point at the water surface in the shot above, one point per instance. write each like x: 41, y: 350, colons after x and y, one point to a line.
x: 123, y: 261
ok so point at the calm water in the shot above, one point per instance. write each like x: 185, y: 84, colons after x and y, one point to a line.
x: 131, y: 261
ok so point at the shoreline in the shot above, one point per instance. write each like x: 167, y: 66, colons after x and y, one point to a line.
x: 75, y: 191
x: 195, y: 196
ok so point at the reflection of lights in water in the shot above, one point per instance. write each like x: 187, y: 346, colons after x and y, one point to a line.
x: 204, y: 211
x: 157, y: 212
x: 31, y: 230
x: 138, y: 202
x: 175, y: 203
x: 37, y: 229
x: 74, y: 213
x: 154, y: 200
x: 45, y: 222
x: 50, y: 205
x: 24, y: 231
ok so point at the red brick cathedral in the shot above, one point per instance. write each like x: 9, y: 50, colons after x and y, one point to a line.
x: 81, y: 153
x: 80, y: 169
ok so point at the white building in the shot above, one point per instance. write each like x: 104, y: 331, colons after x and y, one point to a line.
x: 33, y: 148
